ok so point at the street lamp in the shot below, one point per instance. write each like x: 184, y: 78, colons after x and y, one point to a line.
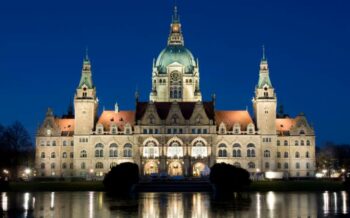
x: 27, y: 171
x: 343, y: 170
x: 6, y: 171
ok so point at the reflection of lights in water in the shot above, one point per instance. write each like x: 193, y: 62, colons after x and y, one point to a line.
x: 33, y: 199
x: 91, y: 204
x: 335, y: 196
x: 100, y: 200
x: 199, y: 209
x: 150, y: 210
x: 175, y: 209
x: 271, y: 200
x: 4, y: 201
x: 52, y: 200
x: 344, y: 201
x: 26, y: 201
x: 325, y: 202
x: 258, y: 204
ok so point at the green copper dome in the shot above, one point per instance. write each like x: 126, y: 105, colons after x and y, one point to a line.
x: 175, y: 53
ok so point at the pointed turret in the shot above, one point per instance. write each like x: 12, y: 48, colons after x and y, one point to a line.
x: 175, y: 37
x: 264, y: 77
x: 86, y: 75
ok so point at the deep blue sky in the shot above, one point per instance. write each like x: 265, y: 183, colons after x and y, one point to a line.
x: 42, y: 45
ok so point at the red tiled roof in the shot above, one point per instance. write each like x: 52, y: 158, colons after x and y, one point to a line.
x: 232, y: 117
x: 284, y: 124
x: 66, y: 125
x: 120, y: 118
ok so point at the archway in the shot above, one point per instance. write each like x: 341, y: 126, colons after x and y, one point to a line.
x: 200, y: 169
x: 175, y: 169
x: 150, y: 168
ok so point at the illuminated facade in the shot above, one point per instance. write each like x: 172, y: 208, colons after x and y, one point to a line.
x: 175, y: 133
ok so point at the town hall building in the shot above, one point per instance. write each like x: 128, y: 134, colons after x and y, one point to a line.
x: 175, y: 132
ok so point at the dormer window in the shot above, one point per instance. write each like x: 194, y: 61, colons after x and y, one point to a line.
x: 250, y: 129
x: 237, y: 128
x: 127, y: 129
x: 99, y: 129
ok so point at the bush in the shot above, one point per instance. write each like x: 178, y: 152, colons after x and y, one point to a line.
x: 228, y: 178
x: 121, y: 178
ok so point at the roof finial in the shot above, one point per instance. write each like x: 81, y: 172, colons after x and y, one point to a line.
x: 175, y: 15
x: 86, y: 53
x: 263, y: 51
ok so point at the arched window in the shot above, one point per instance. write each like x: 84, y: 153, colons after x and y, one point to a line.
x: 250, y: 150
x: 53, y: 165
x: 308, y: 142
x: 285, y: 165
x: 113, y: 150
x: 64, y: 143
x: 64, y: 166
x: 285, y: 154
x: 236, y: 145
x: 297, y: 165
x: 307, y: 165
x: 296, y: 143
x: 53, y: 155
x: 42, y: 165
x: 64, y: 155
x: 307, y: 155
x: 236, y: 164
x: 42, y: 155
x: 236, y: 153
x: 267, y: 165
x: 99, y: 150
x: 71, y: 155
x: 83, y: 154
x: 278, y: 143
x: 279, y: 165
x: 278, y: 154
x: 127, y: 152
x: 302, y: 132
x: 251, y: 165
x: 99, y: 165
x: 175, y: 149
x: 82, y: 166
x: 285, y: 143
x: 222, y: 150
x: 266, y: 153
x: 199, y: 149
x: 302, y: 142
x: 297, y: 155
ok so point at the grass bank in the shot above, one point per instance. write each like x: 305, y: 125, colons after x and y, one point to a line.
x: 263, y: 186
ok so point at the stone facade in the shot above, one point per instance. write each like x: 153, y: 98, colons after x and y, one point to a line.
x: 175, y: 133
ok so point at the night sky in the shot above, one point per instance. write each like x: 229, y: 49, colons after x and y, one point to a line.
x: 42, y: 45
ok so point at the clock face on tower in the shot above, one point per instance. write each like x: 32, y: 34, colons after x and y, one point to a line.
x: 175, y: 76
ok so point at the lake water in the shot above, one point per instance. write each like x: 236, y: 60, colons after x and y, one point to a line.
x: 174, y: 205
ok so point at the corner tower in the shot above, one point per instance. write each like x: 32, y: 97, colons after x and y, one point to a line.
x: 265, y: 101
x: 175, y: 75
x: 85, y: 101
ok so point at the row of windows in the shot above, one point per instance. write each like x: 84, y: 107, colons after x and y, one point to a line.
x: 83, y: 140
x: 98, y: 165
x: 100, y: 130
x: 53, y: 155
x: 53, y: 143
x: 297, y: 154
x: 296, y: 143
x: 53, y: 166
x: 266, y: 139
x: 297, y: 165
x: 176, y: 131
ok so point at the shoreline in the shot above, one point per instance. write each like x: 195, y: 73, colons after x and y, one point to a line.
x: 179, y: 186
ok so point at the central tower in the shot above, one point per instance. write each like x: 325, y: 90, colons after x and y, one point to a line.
x: 175, y: 75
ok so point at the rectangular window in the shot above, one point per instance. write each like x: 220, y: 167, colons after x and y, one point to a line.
x: 193, y: 131
x: 180, y: 131
x: 144, y: 131
x: 199, y: 131
x: 174, y: 131
x: 205, y: 131
x: 156, y: 131
x: 169, y: 131
x: 150, y: 131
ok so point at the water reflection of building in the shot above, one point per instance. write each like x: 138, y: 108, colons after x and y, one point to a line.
x: 175, y: 205
x: 175, y: 132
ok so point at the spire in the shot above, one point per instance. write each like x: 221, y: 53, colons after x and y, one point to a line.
x: 263, y: 53
x: 175, y: 37
x: 86, y: 74
x: 86, y: 54
x: 264, y: 78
